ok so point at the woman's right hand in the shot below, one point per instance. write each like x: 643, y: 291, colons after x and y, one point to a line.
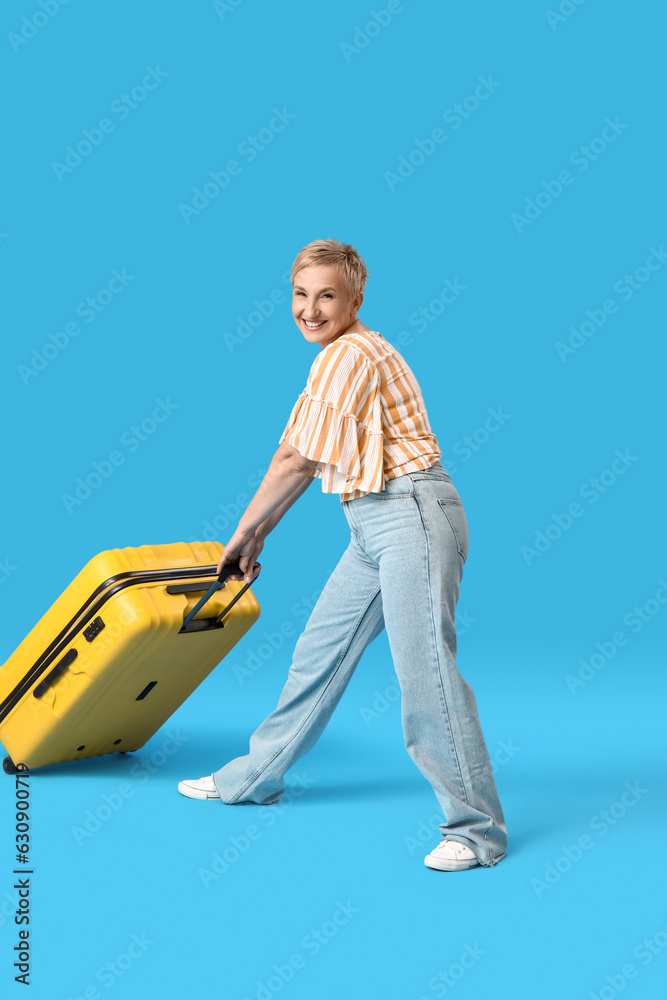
x: 244, y: 549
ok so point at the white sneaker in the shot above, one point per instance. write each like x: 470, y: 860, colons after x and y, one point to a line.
x: 199, y: 788
x: 450, y: 856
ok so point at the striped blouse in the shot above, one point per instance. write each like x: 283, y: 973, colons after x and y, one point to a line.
x: 361, y: 417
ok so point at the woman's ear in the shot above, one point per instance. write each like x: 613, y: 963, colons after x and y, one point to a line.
x: 356, y: 303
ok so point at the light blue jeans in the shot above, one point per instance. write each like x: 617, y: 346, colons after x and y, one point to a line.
x: 401, y: 571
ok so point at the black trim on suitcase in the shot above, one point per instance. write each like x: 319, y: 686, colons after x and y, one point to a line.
x: 176, y: 573
x: 66, y: 636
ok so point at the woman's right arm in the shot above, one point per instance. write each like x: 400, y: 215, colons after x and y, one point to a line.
x: 269, y: 524
x: 288, y: 476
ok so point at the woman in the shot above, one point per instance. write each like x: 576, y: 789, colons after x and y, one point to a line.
x: 361, y: 426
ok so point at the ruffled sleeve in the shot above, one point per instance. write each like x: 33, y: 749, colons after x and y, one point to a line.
x: 337, y: 421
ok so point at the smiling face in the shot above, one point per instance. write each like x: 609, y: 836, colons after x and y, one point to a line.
x: 322, y: 305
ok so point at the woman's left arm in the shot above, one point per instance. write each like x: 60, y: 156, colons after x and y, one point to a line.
x: 288, y: 476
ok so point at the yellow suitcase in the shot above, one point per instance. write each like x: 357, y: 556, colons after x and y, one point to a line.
x: 123, y: 646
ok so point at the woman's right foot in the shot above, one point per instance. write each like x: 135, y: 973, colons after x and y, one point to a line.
x: 199, y: 788
x: 451, y: 856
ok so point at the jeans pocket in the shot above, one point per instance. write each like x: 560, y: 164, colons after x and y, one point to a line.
x: 453, y: 510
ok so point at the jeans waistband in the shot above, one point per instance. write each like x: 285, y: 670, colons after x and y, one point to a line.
x: 436, y: 471
x: 403, y: 483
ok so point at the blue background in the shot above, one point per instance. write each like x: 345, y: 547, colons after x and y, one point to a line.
x: 357, y: 833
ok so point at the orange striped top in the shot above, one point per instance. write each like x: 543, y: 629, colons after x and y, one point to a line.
x: 361, y: 417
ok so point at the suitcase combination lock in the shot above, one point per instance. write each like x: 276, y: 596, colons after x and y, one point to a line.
x: 93, y: 629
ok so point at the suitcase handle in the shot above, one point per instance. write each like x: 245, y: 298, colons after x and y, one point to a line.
x: 60, y: 668
x: 204, y: 624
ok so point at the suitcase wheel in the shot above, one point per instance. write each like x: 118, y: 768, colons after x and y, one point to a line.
x: 9, y: 767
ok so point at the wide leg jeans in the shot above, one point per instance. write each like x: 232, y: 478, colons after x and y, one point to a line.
x: 401, y: 571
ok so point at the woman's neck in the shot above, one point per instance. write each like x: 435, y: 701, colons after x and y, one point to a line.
x: 356, y: 327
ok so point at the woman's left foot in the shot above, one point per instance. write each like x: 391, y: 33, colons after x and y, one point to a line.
x: 450, y: 856
x: 199, y: 788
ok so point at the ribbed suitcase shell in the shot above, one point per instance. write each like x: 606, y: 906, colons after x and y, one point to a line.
x: 127, y: 678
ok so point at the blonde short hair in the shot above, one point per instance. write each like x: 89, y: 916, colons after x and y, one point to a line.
x: 343, y: 255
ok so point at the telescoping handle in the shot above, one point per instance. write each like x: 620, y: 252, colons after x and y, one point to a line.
x: 231, y: 568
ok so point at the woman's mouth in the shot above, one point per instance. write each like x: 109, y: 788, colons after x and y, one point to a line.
x: 314, y: 326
